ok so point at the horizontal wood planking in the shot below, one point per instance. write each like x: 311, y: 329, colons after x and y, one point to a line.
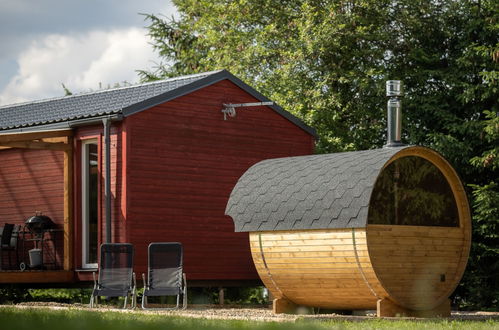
x: 411, y: 231
x: 334, y: 272
x: 184, y: 160
x: 313, y: 252
x: 117, y: 218
x: 462, y: 232
x: 414, y: 281
x: 30, y: 181
x: 416, y: 241
x: 317, y: 268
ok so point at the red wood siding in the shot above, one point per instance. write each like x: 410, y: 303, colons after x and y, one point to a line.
x: 117, y: 218
x: 183, y: 160
x: 30, y: 181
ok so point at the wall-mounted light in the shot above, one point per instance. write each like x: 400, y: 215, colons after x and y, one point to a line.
x: 230, y: 109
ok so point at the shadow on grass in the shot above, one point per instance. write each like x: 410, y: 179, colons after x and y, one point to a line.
x: 12, y: 318
x: 46, y: 319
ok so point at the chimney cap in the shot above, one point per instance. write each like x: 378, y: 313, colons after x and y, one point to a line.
x: 394, y: 88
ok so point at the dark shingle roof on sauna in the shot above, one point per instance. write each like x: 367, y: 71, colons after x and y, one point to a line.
x: 307, y: 192
x: 123, y: 101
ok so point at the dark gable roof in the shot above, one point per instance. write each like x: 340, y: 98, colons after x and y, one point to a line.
x: 307, y: 192
x: 123, y: 101
x: 87, y: 105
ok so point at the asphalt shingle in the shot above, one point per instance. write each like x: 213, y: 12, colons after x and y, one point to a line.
x: 105, y: 102
x: 307, y: 192
x: 119, y: 102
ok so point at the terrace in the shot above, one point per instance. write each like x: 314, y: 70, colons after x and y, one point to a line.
x: 55, y: 242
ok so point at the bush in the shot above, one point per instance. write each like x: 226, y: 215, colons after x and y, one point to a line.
x: 62, y: 295
x: 12, y: 294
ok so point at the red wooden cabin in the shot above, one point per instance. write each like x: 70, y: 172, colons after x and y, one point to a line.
x: 173, y: 161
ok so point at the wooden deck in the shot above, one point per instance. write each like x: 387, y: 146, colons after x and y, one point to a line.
x: 36, y: 276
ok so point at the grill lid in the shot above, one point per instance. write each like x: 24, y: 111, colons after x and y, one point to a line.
x: 39, y: 222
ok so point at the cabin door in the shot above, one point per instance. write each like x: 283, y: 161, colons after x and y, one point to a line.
x: 89, y: 203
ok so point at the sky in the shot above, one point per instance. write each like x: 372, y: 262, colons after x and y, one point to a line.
x: 79, y: 43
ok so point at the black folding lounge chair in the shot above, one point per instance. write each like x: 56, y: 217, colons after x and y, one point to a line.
x: 116, y: 277
x: 165, y: 276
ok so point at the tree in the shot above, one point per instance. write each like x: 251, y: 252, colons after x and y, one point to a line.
x: 320, y: 60
x: 326, y: 61
x: 67, y: 92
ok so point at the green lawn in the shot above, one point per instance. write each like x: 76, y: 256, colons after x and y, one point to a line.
x: 45, y: 319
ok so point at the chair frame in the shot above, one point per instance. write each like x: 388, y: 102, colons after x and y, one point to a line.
x: 147, y: 287
x: 132, y: 286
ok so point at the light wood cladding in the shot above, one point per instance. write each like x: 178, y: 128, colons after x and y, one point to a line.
x: 327, y: 268
x: 409, y: 268
x: 417, y: 266
x: 411, y: 260
x: 353, y: 268
x: 29, y: 136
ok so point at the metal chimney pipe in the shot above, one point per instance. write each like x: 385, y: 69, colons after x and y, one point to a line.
x: 394, y: 106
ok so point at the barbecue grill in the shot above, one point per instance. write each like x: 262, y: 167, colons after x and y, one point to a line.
x: 38, y: 223
x: 36, y: 227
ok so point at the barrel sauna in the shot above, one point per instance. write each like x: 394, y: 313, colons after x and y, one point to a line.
x: 386, y: 229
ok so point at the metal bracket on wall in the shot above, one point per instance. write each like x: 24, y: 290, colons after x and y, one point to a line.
x: 230, y: 109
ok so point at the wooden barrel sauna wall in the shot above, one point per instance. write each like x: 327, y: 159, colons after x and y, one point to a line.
x: 387, y: 229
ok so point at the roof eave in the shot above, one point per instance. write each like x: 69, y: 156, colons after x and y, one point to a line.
x: 64, y: 124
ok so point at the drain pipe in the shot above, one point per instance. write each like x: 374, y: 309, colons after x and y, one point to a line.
x: 107, y: 182
x: 394, y: 107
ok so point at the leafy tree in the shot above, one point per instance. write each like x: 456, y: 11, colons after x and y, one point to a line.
x: 326, y: 61
x: 67, y: 92
x: 320, y: 60
x: 481, y: 284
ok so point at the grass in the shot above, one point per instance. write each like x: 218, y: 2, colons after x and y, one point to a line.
x: 12, y: 318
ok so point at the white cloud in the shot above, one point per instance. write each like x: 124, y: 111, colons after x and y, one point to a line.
x: 79, y: 61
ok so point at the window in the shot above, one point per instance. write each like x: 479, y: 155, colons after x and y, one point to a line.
x: 90, y: 180
x: 412, y: 191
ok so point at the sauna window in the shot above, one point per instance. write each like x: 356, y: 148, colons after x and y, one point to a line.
x: 412, y: 191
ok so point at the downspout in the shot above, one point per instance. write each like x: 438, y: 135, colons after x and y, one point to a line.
x: 107, y: 182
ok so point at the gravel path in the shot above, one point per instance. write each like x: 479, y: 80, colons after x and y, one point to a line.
x: 244, y: 313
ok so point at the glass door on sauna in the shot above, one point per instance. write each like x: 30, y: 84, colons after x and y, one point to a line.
x: 89, y: 203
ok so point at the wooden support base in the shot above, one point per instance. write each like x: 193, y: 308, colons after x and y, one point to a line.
x: 221, y: 296
x: 282, y: 305
x: 386, y: 308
